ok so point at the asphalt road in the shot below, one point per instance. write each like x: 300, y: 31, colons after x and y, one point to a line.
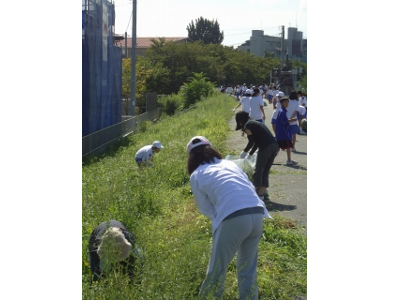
x: 288, y: 184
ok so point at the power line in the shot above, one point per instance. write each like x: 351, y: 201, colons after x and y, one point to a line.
x: 126, y: 30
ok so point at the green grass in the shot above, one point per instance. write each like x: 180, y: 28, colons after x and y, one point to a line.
x: 156, y: 205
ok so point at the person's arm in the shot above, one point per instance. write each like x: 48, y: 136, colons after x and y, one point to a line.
x: 262, y: 111
x: 250, y: 143
x: 240, y: 103
x: 202, y: 202
x: 251, y: 139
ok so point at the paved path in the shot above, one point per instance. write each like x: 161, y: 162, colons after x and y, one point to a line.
x: 288, y: 184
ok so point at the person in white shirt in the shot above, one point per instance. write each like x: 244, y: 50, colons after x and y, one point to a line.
x: 303, y: 103
x: 302, y: 99
x: 224, y: 194
x: 145, y: 155
x: 277, y: 107
x: 270, y: 93
x: 243, y: 89
x: 302, y: 117
x: 245, y: 101
x: 257, y: 106
x: 229, y: 90
x: 292, y: 111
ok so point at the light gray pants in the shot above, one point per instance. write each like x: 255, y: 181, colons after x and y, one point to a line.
x: 239, y: 235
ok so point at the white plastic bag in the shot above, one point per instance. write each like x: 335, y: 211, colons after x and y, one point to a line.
x: 246, y: 164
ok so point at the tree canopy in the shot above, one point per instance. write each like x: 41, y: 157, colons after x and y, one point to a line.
x: 206, y: 31
x: 167, y: 66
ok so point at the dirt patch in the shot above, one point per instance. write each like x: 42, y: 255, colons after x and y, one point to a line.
x: 288, y: 184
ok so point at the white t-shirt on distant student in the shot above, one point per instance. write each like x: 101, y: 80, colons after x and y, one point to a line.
x: 303, y: 100
x: 291, y: 109
x: 145, y: 153
x: 245, y: 102
x: 255, y: 111
x: 302, y: 110
x: 276, y: 110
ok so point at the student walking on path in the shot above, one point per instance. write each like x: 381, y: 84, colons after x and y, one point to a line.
x: 283, y: 131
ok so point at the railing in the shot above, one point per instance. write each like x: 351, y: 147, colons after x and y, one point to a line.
x: 99, y: 140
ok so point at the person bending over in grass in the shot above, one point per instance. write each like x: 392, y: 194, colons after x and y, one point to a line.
x: 112, y: 245
x: 223, y: 193
x: 145, y: 155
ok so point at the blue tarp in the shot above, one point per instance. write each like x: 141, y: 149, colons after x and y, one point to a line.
x: 101, y: 69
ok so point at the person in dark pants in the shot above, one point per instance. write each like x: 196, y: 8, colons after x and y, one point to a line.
x: 261, y: 138
x: 111, y: 245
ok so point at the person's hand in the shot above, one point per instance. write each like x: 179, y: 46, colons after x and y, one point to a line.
x: 234, y: 109
x: 264, y: 117
x: 243, y: 154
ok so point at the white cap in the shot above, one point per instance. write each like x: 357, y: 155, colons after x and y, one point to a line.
x: 157, y: 144
x: 248, y: 92
x: 280, y: 94
x: 203, y: 141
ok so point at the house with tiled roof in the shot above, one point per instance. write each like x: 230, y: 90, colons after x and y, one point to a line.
x: 143, y: 43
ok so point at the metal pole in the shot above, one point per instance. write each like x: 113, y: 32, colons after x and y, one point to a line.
x: 282, y: 47
x: 133, y: 62
x: 126, y: 44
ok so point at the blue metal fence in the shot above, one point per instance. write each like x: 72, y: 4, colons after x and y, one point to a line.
x: 101, y: 68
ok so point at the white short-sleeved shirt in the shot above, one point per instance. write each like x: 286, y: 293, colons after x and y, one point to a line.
x: 245, y: 102
x: 276, y: 110
x: 145, y: 153
x: 291, y: 109
x: 303, y: 100
x: 255, y: 103
x: 302, y: 110
x: 222, y: 188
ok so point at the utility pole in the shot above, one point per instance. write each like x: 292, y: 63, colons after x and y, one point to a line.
x: 133, y: 61
x: 282, y: 46
x: 126, y: 44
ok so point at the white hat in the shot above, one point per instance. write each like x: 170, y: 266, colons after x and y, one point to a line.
x: 157, y: 144
x: 280, y: 94
x: 248, y: 92
x: 114, y: 246
x: 203, y: 141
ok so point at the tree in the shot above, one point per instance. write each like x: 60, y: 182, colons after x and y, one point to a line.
x: 206, y: 31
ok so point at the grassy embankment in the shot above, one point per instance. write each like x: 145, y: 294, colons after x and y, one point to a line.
x: 156, y: 205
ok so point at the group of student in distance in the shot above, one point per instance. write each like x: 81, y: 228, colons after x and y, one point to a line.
x: 235, y: 204
x: 286, y: 119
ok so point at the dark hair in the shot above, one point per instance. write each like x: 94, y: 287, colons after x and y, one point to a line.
x: 201, y: 155
x: 283, y: 99
x: 241, y: 117
x: 300, y: 93
x: 256, y: 91
x: 293, y: 96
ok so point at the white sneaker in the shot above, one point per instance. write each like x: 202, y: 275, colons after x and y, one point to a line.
x: 291, y: 162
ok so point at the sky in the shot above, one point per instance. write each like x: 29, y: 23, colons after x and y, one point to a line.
x: 237, y: 18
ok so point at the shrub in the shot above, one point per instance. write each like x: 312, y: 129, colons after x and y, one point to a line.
x: 171, y: 103
x: 196, y: 88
